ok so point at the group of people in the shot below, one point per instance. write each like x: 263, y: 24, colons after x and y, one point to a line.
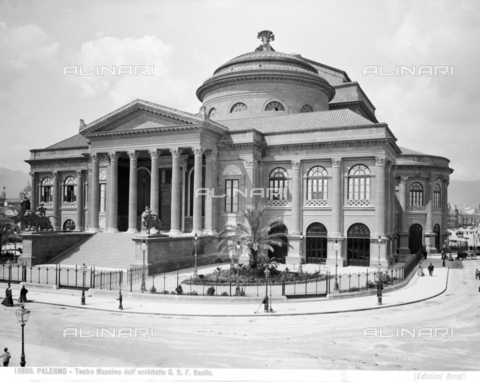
x: 430, y: 269
x: 8, y: 300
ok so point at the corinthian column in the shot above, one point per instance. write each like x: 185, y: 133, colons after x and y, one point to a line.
x: 154, y: 186
x: 250, y: 181
x: 33, y: 197
x: 112, y: 198
x: 296, y: 198
x: 94, y: 194
x: 132, y: 193
x: 429, y: 234
x: 210, y: 185
x: 174, y: 208
x: 197, y: 185
x: 55, y: 201
x: 336, y: 200
x: 403, y: 197
x: 79, y: 196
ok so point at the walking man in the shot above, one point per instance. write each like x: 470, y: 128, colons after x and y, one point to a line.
x: 120, y: 299
x: 430, y: 269
x: 477, y: 274
x: 6, y: 357
x: 23, y: 294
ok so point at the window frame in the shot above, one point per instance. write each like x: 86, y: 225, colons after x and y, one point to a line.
x: 69, y: 193
x: 279, y: 183
x: 437, y: 196
x: 273, y: 103
x: 416, y: 195
x: 46, y: 194
x: 359, y: 185
x: 319, y: 182
x: 238, y: 111
x: 232, y: 200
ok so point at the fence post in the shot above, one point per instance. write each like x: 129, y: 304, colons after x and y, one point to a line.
x: 47, y: 275
x: 366, y: 285
x: 31, y: 274
x: 38, y: 274
x: 164, y: 277
x: 110, y: 280
x: 131, y: 280
x: 306, y: 275
x: 349, y: 281
x: 283, y: 285
x: 101, y: 280
x: 177, y: 279
x: 76, y: 275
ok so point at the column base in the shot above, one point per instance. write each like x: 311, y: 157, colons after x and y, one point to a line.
x: 210, y: 232
x: 175, y: 232
x: 197, y: 231
x: 132, y: 230
x: 112, y: 230
x: 94, y: 230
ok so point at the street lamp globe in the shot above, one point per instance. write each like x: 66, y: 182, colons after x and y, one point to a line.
x: 22, y: 315
x: 267, y: 273
x: 143, y: 247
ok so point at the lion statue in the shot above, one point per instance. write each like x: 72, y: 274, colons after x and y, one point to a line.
x: 150, y: 220
x: 34, y: 220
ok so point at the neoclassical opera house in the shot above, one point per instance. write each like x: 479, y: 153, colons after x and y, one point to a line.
x: 296, y: 134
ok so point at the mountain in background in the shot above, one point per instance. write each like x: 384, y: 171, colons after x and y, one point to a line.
x: 464, y: 194
x: 13, y: 181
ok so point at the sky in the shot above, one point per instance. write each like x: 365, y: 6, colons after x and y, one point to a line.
x: 186, y: 40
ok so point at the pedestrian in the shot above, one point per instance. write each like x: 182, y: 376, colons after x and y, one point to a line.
x: 477, y: 274
x: 430, y: 269
x: 8, y: 301
x: 120, y: 299
x: 424, y: 250
x: 420, y: 271
x: 6, y: 357
x: 23, y: 294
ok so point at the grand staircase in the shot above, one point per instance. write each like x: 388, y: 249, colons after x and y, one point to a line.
x: 111, y: 250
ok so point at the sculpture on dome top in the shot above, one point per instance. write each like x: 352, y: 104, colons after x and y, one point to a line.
x: 266, y: 37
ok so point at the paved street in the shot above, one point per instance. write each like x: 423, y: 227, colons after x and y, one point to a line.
x: 328, y: 341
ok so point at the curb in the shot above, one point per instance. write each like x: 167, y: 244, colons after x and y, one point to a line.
x: 257, y: 315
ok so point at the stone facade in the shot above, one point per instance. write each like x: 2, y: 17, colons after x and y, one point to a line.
x: 290, y: 132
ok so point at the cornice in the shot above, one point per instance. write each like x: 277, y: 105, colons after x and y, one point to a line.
x: 339, y: 144
x: 228, y: 78
x: 60, y: 161
x: 404, y: 167
x: 208, y: 126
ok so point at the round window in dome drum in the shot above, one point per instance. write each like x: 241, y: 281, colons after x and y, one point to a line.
x: 274, y: 106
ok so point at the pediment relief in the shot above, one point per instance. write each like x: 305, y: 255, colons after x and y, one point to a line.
x: 141, y: 120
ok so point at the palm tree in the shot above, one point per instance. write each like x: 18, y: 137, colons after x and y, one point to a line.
x: 251, y: 235
x: 7, y: 231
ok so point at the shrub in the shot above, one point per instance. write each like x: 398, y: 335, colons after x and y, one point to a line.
x: 218, y: 260
x: 165, y: 292
x: 153, y: 290
x: 224, y: 294
x: 192, y: 293
x: 201, y: 276
x: 179, y: 289
x: 210, y: 291
x: 354, y: 289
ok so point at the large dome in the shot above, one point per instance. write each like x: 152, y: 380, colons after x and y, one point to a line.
x: 257, y: 79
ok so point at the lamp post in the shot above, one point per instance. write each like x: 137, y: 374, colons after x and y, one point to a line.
x: 83, y: 269
x: 266, y: 303
x: 444, y: 255
x: 143, y: 247
x: 195, y: 244
x: 9, y: 266
x: 335, y: 248
x: 379, y: 285
x: 300, y: 251
x: 238, y: 263
x: 379, y: 243
x: 22, y: 317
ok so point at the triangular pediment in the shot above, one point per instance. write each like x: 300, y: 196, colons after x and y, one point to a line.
x: 140, y: 115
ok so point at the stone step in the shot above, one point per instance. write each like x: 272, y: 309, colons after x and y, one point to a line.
x: 102, y: 250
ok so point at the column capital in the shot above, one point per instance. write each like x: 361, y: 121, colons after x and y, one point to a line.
x: 154, y: 153
x: 94, y: 157
x: 380, y: 161
x: 212, y: 153
x: 133, y: 155
x: 176, y: 152
x: 55, y: 174
x: 32, y: 174
x: 198, y: 150
x: 296, y: 164
x: 403, y: 179
x: 79, y: 173
x: 113, y: 156
x: 90, y: 170
x: 388, y: 165
x: 336, y: 162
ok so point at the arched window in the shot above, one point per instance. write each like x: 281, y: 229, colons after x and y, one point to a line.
x: 359, y: 186
x: 416, y: 195
x: 239, y: 106
x: 69, y: 225
x: 212, y: 112
x: 46, y: 190
x: 306, y: 109
x: 437, y: 196
x: 274, y: 106
x: 70, y: 190
x: 278, y: 187
x: 317, y: 184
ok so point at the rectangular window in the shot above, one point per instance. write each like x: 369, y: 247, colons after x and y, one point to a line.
x: 231, y: 192
x: 102, y: 197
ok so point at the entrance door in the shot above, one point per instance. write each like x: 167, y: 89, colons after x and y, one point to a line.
x: 316, y: 246
x: 358, y: 245
x: 415, y: 238
x: 279, y: 253
x: 436, y: 230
